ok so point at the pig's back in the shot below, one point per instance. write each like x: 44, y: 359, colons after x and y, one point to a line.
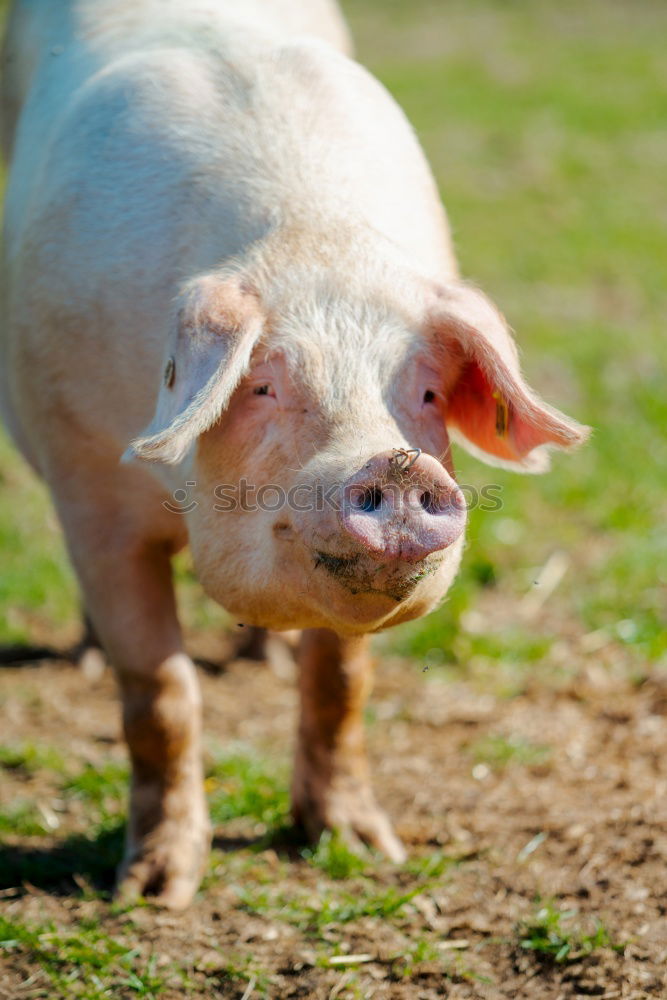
x: 221, y: 137
x: 40, y: 31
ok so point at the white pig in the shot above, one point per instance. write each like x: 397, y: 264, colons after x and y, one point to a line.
x: 226, y: 267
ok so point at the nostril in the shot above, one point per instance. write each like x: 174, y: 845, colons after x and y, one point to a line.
x: 427, y: 501
x: 441, y: 502
x: 372, y: 499
x: 368, y: 500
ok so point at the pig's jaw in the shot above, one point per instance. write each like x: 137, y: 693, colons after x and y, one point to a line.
x: 302, y: 587
x: 360, y: 575
x: 358, y: 594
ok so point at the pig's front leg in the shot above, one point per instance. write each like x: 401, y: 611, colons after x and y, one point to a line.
x: 131, y: 602
x: 331, y: 787
x: 168, y: 831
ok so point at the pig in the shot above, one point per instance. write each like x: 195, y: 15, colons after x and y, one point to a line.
x: 226, y: 267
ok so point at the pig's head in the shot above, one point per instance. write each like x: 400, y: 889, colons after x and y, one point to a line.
x: 316, y: 422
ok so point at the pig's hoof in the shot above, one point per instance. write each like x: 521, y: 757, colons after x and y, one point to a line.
x: 356, y: 816
x: 166, y: 868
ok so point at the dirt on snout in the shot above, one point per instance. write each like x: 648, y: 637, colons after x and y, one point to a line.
x: 536, y: 825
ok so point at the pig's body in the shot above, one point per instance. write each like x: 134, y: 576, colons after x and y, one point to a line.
x: 246, y: 169
x: 158, y: 141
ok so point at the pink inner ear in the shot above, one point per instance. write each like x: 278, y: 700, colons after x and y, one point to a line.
x: 487, y: 422
x: 491, y: 421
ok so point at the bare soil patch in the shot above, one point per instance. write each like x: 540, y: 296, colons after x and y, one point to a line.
x: 554, y: 797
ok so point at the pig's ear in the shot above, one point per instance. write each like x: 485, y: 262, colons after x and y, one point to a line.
x: 218, y: 320
x: 490, y: 408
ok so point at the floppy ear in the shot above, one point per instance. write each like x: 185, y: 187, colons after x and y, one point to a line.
x: 490, y: 408
x: 216, y: 327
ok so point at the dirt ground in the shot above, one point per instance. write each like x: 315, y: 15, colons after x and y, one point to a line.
x: 579, y: 827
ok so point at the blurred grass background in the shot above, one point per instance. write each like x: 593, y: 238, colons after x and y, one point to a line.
x: 545, y: 127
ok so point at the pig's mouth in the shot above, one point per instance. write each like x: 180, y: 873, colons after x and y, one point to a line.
x: 364, y: 576
x: 339, y: 566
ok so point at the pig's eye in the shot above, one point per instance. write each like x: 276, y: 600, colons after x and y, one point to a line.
x: 429, y: 396
x: 262, y: 390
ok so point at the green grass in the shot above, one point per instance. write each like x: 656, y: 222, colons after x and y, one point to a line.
x: 244, y: 973
x: 81, y: 839
x: 333, y: 857
x: 85, y: 962
x: 104, y: 791
x: 28, y: 758
x: 36, y: 583
x: 350, y: 888
x: 92, y: 801
x: 500, y: 751
x: 313, y: 913
x: 422, y: 949
x: 101, y: 786
x: 553, y: 937
x: 241, y: 783
x: 23, y: 819
x: 432, y: 865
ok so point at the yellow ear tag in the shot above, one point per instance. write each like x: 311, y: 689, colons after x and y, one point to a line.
x: 502, y: 415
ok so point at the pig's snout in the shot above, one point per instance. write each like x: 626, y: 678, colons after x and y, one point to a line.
x: 402, y: 507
